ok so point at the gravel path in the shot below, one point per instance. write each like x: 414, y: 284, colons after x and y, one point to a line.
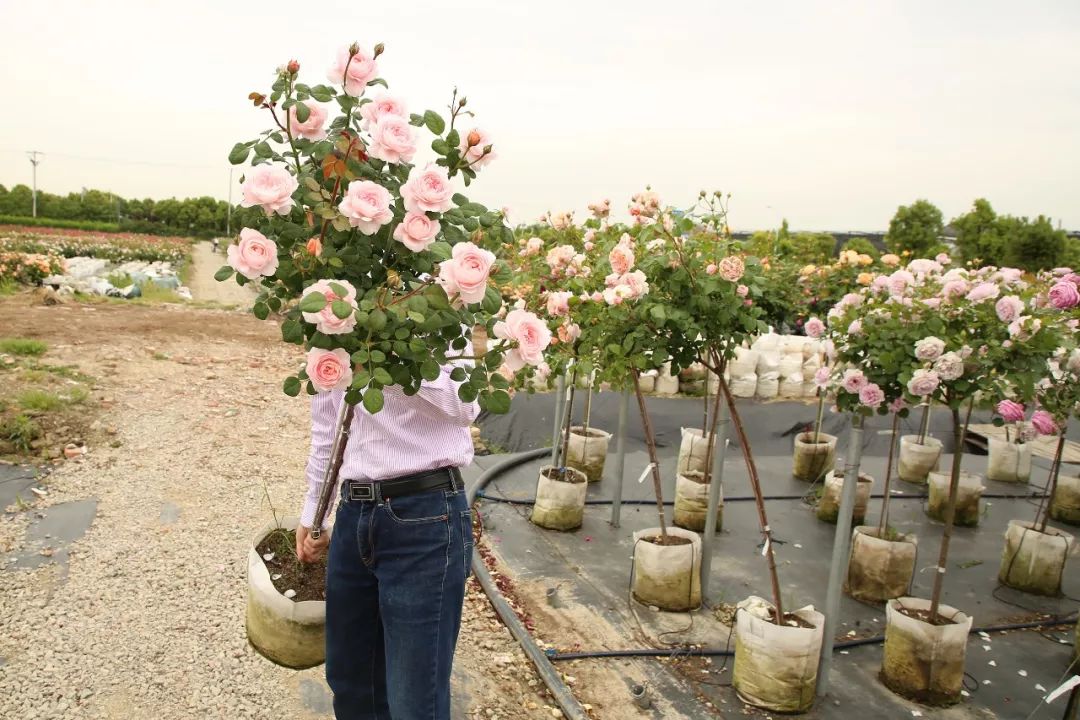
x: 147, y: 619
x: 204, y: 287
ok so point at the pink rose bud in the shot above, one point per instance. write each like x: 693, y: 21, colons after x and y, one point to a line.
x: 379, y: 49
x: 314, y: 246
x: 473, y: 138
x: 1010, y: 411
x: 354, y: 48
x: 293, y: 67
x: 711, y: 269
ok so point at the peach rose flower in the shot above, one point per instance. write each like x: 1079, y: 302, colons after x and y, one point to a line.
x: 381, y: 106
x: 392, y: 140
x: 367, y: 206
x: 621, y: 258
x: 329, y: 369
x: 325, y: 320
x: 732, y: 268
x: 312, y: 128
x: 254, y: 255
x: 427, y: 190
x: 558, y: 303
x: 362, y: 69
x: 269, y: 187
x: 530, y: 334
x: 465, y: 274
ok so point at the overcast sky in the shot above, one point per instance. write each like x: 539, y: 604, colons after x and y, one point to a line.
x: 828, y: 113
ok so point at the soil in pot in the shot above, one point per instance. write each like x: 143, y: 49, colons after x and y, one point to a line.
x: 1008, y: 461
x: 1065, y: 505
x: 967, y: 498
x: 776, y: 666
x: 829, y: 506
x: 917, y: 461
x: 924, y: 656
x: 307, y: 580
x: 667, y: 570
x: 810, y: 459
x: 587, y: 451
x: 881, y: 564
x: 560, y: 498
x: 692, y: 502
x: 1034, y: 561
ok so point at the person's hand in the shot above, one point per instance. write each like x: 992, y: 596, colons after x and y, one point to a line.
x: 308, y: 549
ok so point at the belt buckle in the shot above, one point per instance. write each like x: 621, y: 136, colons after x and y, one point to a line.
x: 361, y: 491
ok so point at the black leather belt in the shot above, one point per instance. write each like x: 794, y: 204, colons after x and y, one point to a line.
x: 444, y: 478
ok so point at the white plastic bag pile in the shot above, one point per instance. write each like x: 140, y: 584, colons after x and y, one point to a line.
x: 775, y: 366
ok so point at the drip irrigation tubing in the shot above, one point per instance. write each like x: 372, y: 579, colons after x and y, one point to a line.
x: 571, y: 708
x: 750, y: 498
x: 554, y: 656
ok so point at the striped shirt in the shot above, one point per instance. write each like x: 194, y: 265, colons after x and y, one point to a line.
x: 426, y: 431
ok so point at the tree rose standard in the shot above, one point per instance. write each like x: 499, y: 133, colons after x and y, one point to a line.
x: 381, y: 269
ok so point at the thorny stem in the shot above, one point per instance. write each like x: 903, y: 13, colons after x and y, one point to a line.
x: 650, y: 442
x: 884, y: 522
x: 820, y: 414
x: 1042, y: 518
x: 959, y: 436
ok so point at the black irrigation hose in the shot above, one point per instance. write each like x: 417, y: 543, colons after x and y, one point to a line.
x: 705, y: 652
x: 748, y: 498
x: 559, y: 690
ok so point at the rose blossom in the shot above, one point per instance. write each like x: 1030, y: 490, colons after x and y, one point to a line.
x: 636, y: 282
x: 871, y: 395
x: 361, y: 70
x: 1010, y: 411
x: 1024, y: 327
x: 711, y: 269
x: 325, y: 320
x: 954, y: 288
x: 814, y: 328
x: 983, y: 291
x: 1064, y: 295
x: 560, y: 256
x: 380, y: 107
x: 254, y: 255
x: 890, y: 260
x: 732, y: 268
x: 393, y: 140
x: 472, y: 148
x: 616, y: 295
x: 742, y: 291
x: 271, y: 188
x: 855, y: 327
x: 558, y: 303
x: 569, y: 332
x: 929, y: 348
x: 529, y: 332
x: 853, y: 380
x: 897, y: 405
x: 427, y: 190
x: 923, y: 383
x: 821, y: 377
x: 367, y: 206
x: 465, y: 274
x: 899, y: 281
x: 1073, y: 363
x: 329, y: 369
x: 943, y: 259
x: 1009, y: 308
x: 312, y: 128
x: 949, y: 366
x: 1044, y: 423
x: 533, y: 246
x: 416, y: 231
x: 621, y: 258
x: 924, y: 266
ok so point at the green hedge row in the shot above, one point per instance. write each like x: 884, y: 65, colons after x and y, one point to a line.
x: 128, y: 226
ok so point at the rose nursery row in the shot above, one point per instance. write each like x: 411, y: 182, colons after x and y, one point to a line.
x: 114, y: 247
x: 386, y: 273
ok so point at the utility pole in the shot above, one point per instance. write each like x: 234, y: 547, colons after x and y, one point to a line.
x: 228, y: 212
x: 33, y: 155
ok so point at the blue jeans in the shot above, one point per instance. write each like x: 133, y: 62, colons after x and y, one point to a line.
x: 395, y: 583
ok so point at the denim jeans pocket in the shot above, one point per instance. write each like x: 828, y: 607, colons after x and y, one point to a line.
x: 467, y: 540
x: 418, y: 508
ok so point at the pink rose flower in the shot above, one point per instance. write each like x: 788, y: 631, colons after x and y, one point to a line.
x: 932, y: 303
x: 530, y: 335
x: 597, y: 296
x: 821, y: 377
x: 742, y: 291
x: 855, y: 328
x: 949, y: 366
x: 636, y: 282
x: 254, y: 255
x: 569, y: 332
x: 929, y: 348
x: 312, y: 128
x: 361, y: 70
x: 589, y: 246
x: 1010, y: 276
x: 1064, y: 295
x: 465, y: 274
x: 871, y: 395
x: 943, y: 259
x: 616, y: 295
x: 381, y: 106
x: 621, y: 258
x: 954, y: 288
x: 897, y: 405
x: 1009, y: 308
x: 533, y: 246
x: 417, y: 231
x: 814, y: 328
x: 558, y: 303
x: 427, y: 190
x: 367, y: 206
x: 853, y: 380
x: 393, y: 140
x: 472, y: 147
x: 983, y: 291
x: 923, y: 383
x: 325, y: 320
x: 1010, y: 411
x: 1044, y: 423
x: 1023, y: 327
x: 732, y: 268
x: 924, y: 266
x: 271, y: 188
x: 329, y: 369
x: 899, y: 281
x: 711, y: 269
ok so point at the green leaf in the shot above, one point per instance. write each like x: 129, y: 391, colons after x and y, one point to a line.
x: 439, y: 145
x: 383, y: 376
x: 459, y: 199
x: 322, y: 93
x: 225, y: 272
x: 341, y: 309
x: 361, y: 380
x: 292, y: 332
x: 291, y: 386
x: 261, y: 310
x: 416, y: 120
x: 377, y: 320
x: 453, y: 139
x: 492, y: 301
x: 499, y: 402
x: 429, y: 369
x: 378, y: 356
x: 434, y: 122
x: 239, y: 153
x: 441, y: 250
x: 466, y: 392
x: 313, y: 302
x: 373, y: 400
x: 303, y: 112
x: 263, y: 150
x: 458, y: 374
x: 416, y: 318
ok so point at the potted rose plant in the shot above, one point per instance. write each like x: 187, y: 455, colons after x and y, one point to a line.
x: 379, y: 267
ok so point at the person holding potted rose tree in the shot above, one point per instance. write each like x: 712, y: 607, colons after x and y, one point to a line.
x: 381, y: 270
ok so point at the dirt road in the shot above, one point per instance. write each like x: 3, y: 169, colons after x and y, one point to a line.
x: 204, y: 287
